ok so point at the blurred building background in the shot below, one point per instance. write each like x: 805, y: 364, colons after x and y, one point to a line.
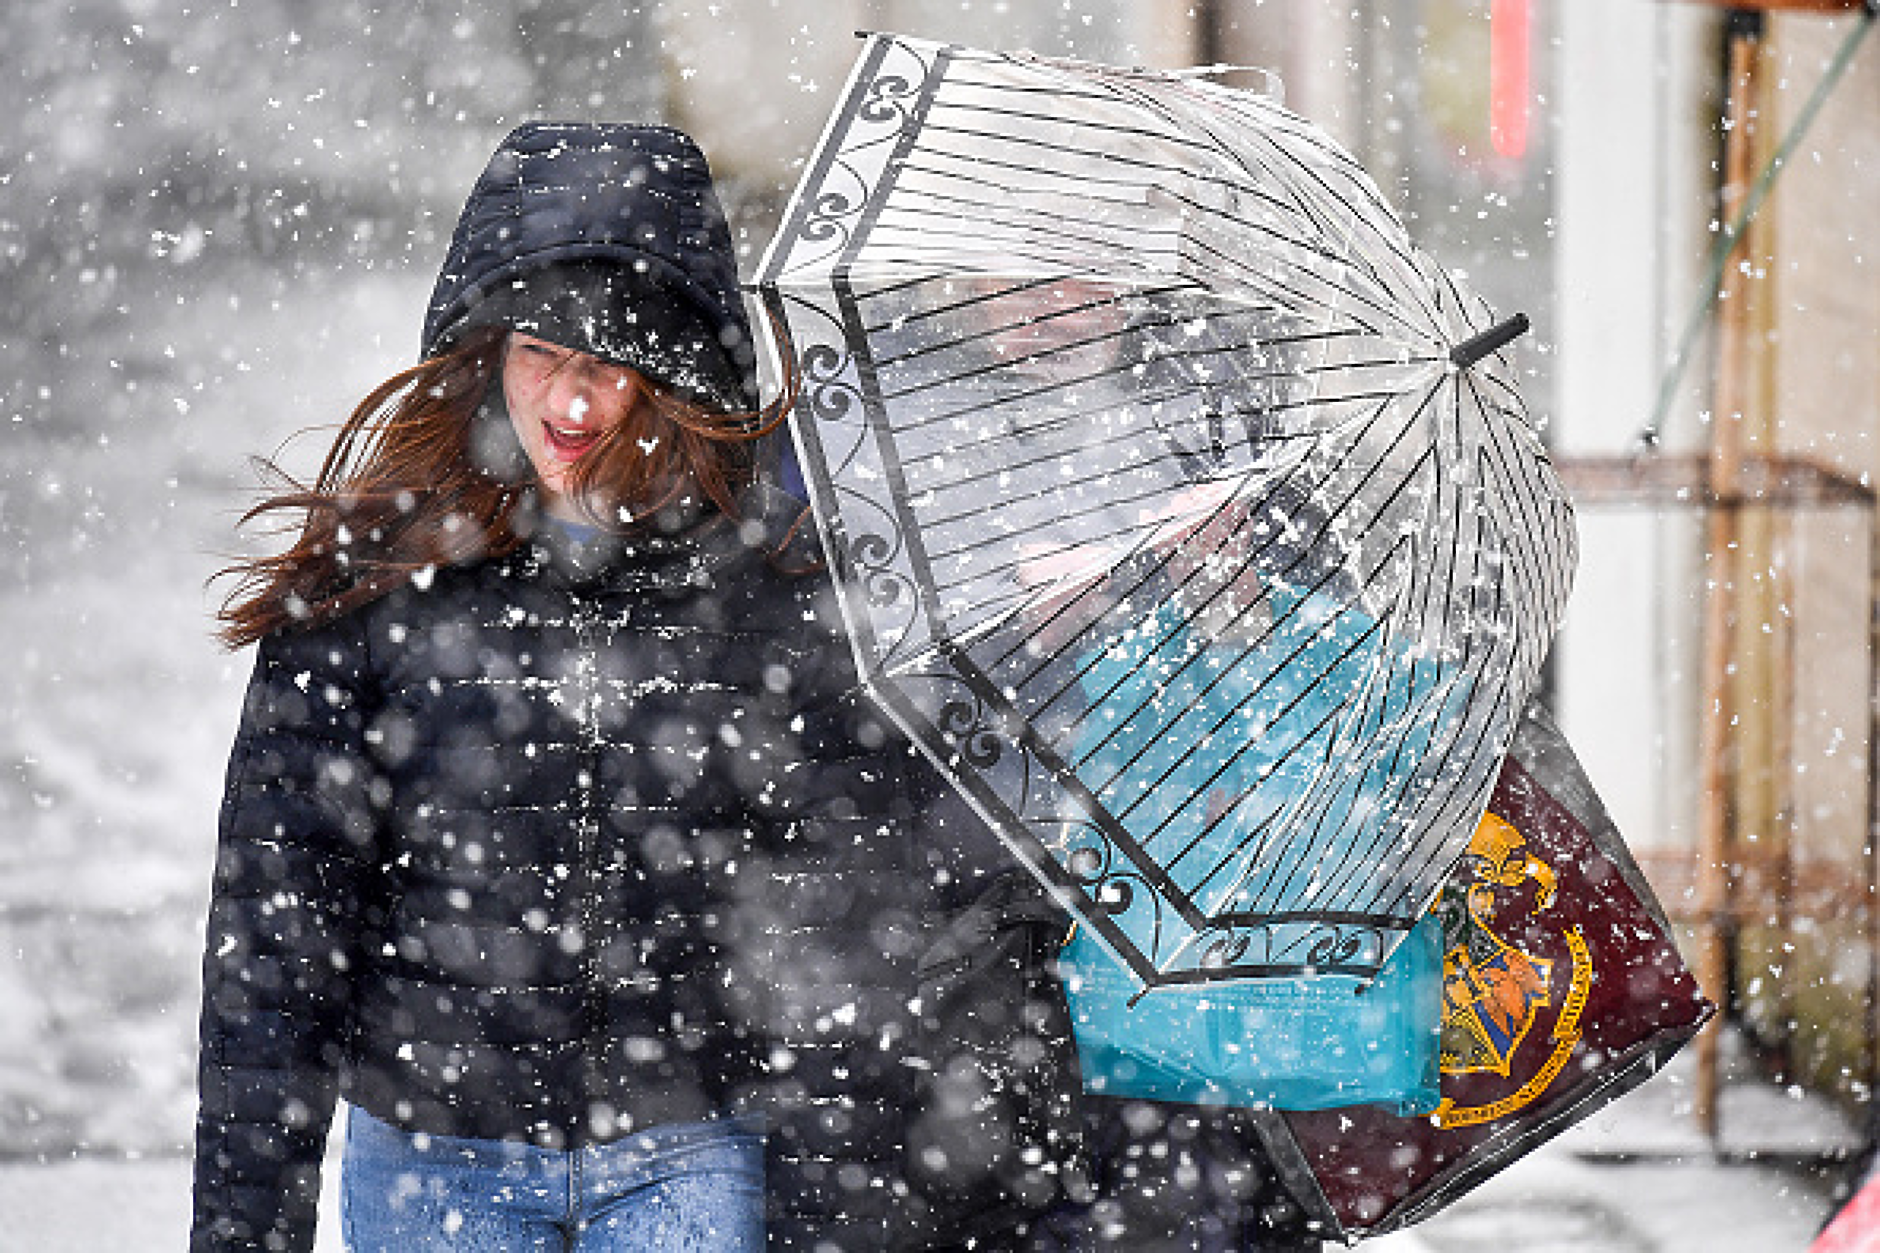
x: 218, y: 222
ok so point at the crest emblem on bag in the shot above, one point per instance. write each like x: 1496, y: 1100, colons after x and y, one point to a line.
x: 1494, y: 990
x: 1574, y: 1042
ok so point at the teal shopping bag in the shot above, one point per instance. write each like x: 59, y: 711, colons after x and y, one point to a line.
x: 1303, y: 1043
x: 1209, y: 747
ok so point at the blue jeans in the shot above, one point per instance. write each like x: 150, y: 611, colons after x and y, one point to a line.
x: 685, y: 1186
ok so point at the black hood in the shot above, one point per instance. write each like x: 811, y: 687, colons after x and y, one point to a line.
x: 606, y: 238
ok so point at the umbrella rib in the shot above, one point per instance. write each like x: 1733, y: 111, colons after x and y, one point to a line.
x: 1504, y: 466
x: 1498, y: 705
x: 1213, y: 258
x: 1293, y: 205
x: 1000, y: 367
x: 1323, y: 524
x: 1080, y: 193
x: 1219, y: 255
x: 1465, y: 305
x: 1153, y: 572
x: 978, y: 230
x: 1246, y: 517
x: 1105, y: 130
x: 1303, y: 206
x: 1357, y: 857
x: 1003, y: 327
x: 1169, y: 134
x: 976, y: 544
x: 1015, y: 251
x: 1441, y: 799
x: 937, y: 163
x: 1247, y: 650
x: 1056, y: 384
x: 1258, y: 279
x: 1004, y: 658
x: 1013, y: 288
x: 979, y: 683
x: 1366, y: 215
x: 1322, y: 803
x: 1379, y: 703
x: 1146, y: 400
x: 1012, y: 250
x: 1316, y: 402
x: 1122, y: 723
x: 1093, y: 659
x: 1307, y: 738
x: 1474, y: 584
x: 1082, y: 180
x: 1103, y: 158
x: 1469, y: 684
x: 1060, y: 89
x: 1427, y: 456
x: 1149, y: 535
x: 1140, y: 547
x: 1517, y: 467
x: 1139, y: 401
x: 1316, y: 806
x: 997, y: 367
x: 892, y: 290
x: 1235, y: 759
x: 1127, y: 436
x: 1321, y: 796
x: 1148, y: 538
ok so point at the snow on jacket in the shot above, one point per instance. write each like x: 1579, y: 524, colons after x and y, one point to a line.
x: 555, y: 847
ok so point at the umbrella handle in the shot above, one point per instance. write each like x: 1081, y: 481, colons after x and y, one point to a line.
x: 1473, y: 349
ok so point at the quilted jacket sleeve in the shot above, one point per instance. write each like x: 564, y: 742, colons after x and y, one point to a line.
x: 297, y: 841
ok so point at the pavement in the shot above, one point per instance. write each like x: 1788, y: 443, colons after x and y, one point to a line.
x: 1640, y: 1177
x: 1635, y: 1178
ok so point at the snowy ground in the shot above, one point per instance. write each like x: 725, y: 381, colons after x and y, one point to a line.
x: 120, y: 475
x: 1550, y: 1204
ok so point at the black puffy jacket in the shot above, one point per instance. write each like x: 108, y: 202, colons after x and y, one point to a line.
x: 558, y: 846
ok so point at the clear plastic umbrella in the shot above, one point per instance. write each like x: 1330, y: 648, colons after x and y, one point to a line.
x: 1185, y: 514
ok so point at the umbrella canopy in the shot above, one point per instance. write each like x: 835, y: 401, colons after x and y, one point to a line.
x: 1184, y: 513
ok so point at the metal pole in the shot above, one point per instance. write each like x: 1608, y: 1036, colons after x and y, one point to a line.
x: 1717, y: 767
x: 1871, y: 907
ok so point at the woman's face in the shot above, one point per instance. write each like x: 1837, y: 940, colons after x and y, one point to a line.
x: 561, y: 402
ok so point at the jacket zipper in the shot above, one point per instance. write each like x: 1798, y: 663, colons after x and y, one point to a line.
x: 589, y: 629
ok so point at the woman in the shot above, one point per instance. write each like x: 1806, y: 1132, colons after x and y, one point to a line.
x: 556, y: 839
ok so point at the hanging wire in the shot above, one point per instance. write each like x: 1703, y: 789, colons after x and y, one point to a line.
x: 1727, y: 241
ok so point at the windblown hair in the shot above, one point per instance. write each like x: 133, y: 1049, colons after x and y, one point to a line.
x: 427, y: 472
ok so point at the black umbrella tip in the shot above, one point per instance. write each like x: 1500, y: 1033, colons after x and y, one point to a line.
x: 1496, y: 337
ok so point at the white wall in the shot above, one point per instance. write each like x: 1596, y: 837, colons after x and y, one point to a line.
x: 1629, y: 164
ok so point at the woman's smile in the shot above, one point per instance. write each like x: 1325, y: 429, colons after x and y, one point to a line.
x: 567, y: 440
x: 563, y: 403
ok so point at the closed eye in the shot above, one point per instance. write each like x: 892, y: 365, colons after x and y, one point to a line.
x: 541, y: 349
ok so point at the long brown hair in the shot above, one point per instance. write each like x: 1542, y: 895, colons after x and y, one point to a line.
x: 427, y: 472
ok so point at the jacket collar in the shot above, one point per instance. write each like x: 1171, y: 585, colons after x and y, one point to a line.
x: 683, y: 549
